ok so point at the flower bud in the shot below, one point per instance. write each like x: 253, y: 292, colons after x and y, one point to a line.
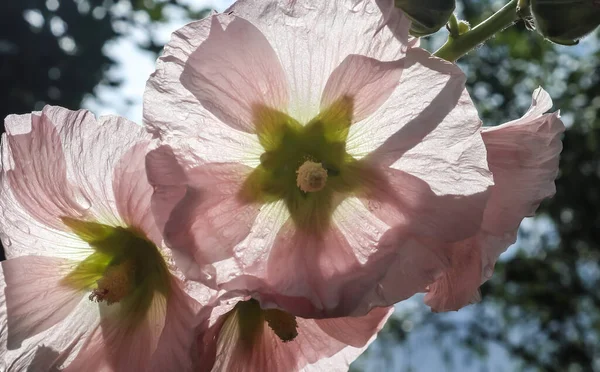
x: 564, y: 22
x: 427, y: 16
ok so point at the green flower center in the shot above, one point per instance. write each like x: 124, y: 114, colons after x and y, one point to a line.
x: 303, y: 165
x: 125, y: 267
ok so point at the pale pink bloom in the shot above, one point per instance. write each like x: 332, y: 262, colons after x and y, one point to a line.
x: 242, y: 100
x: 236, y: 335
x: 523, y: 157
x: 85, y: 286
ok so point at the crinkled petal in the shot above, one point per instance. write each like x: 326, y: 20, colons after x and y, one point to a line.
x: 212, y: 217
x: 174, y: 112
x: 36, y: 170
x: 429, y: 128
x: 523, y: 156
x: 365, y: 81
x: 312, y: 38
x: 35, y: 297
x: 235, y: 70
x: 74, y: 157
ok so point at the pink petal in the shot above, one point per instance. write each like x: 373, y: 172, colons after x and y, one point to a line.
x: 428, y: 128
x: 122, y: 344
x: 235, y: 70
x: 456, y: 287
x: 38, y: 174
x: 326, y: 344
x: 169, y: 181
x: 62, y: 142
x: 305, y: 265
x: 334, y: 270
x: 366, y: 81
x: 524, y: 160
x: 35, y: 297
x: 133, y: 192
x: 523, y: 156
x: 408, y: 203
x: 312, y: 38
x: 212, y: 217
x: 175, y: 343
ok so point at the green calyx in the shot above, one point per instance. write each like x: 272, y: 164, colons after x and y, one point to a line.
x: 565, y: 21
x: 288, y: 145
x: 125, y: 267
x: 427, y: 16
x: 251, y: 318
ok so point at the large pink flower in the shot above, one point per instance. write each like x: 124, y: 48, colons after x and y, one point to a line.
x: 523, y: 156
x: 85, y: 286
x: 238, y: 335
x: 305, y: 146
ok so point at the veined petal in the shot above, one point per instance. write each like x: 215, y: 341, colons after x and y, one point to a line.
x: 174, y: 348
x: 235, y: 70
x: 312, y: 38
x: 36, y: 170
x: 429, y: 128
x: 36, y: 299
x: 56, y: 347
x: 367, y: 82
x: 75, y: 156
x: 125, y: 344
x: 133, y: 193
x: 214, y: 103
x: 306, y: 265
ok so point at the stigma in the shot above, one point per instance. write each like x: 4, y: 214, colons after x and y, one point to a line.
x: 311, y: 176
x: 115, y: 284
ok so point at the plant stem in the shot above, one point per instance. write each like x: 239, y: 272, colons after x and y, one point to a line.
x: 457, y: 46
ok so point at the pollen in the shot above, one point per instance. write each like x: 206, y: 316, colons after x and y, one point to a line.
x: 284, y: 325
x: 115, y: 284
x: 311, y: 176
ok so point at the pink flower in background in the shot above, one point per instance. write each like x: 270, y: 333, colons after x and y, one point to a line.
x: 309, y: 148
x: 237, y: 335
x: 85, y: 286
x: 523, y: 157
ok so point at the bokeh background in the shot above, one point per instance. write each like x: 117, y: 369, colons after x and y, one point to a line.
x: 541, y: 310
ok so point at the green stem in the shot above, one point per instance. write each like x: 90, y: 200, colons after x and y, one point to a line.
x: 458, y: 46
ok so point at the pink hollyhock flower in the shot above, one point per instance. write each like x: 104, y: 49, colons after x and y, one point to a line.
x: 238, y: 335
x: 523, y: 157
x: 307, y: 147
x: 86, y: 285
